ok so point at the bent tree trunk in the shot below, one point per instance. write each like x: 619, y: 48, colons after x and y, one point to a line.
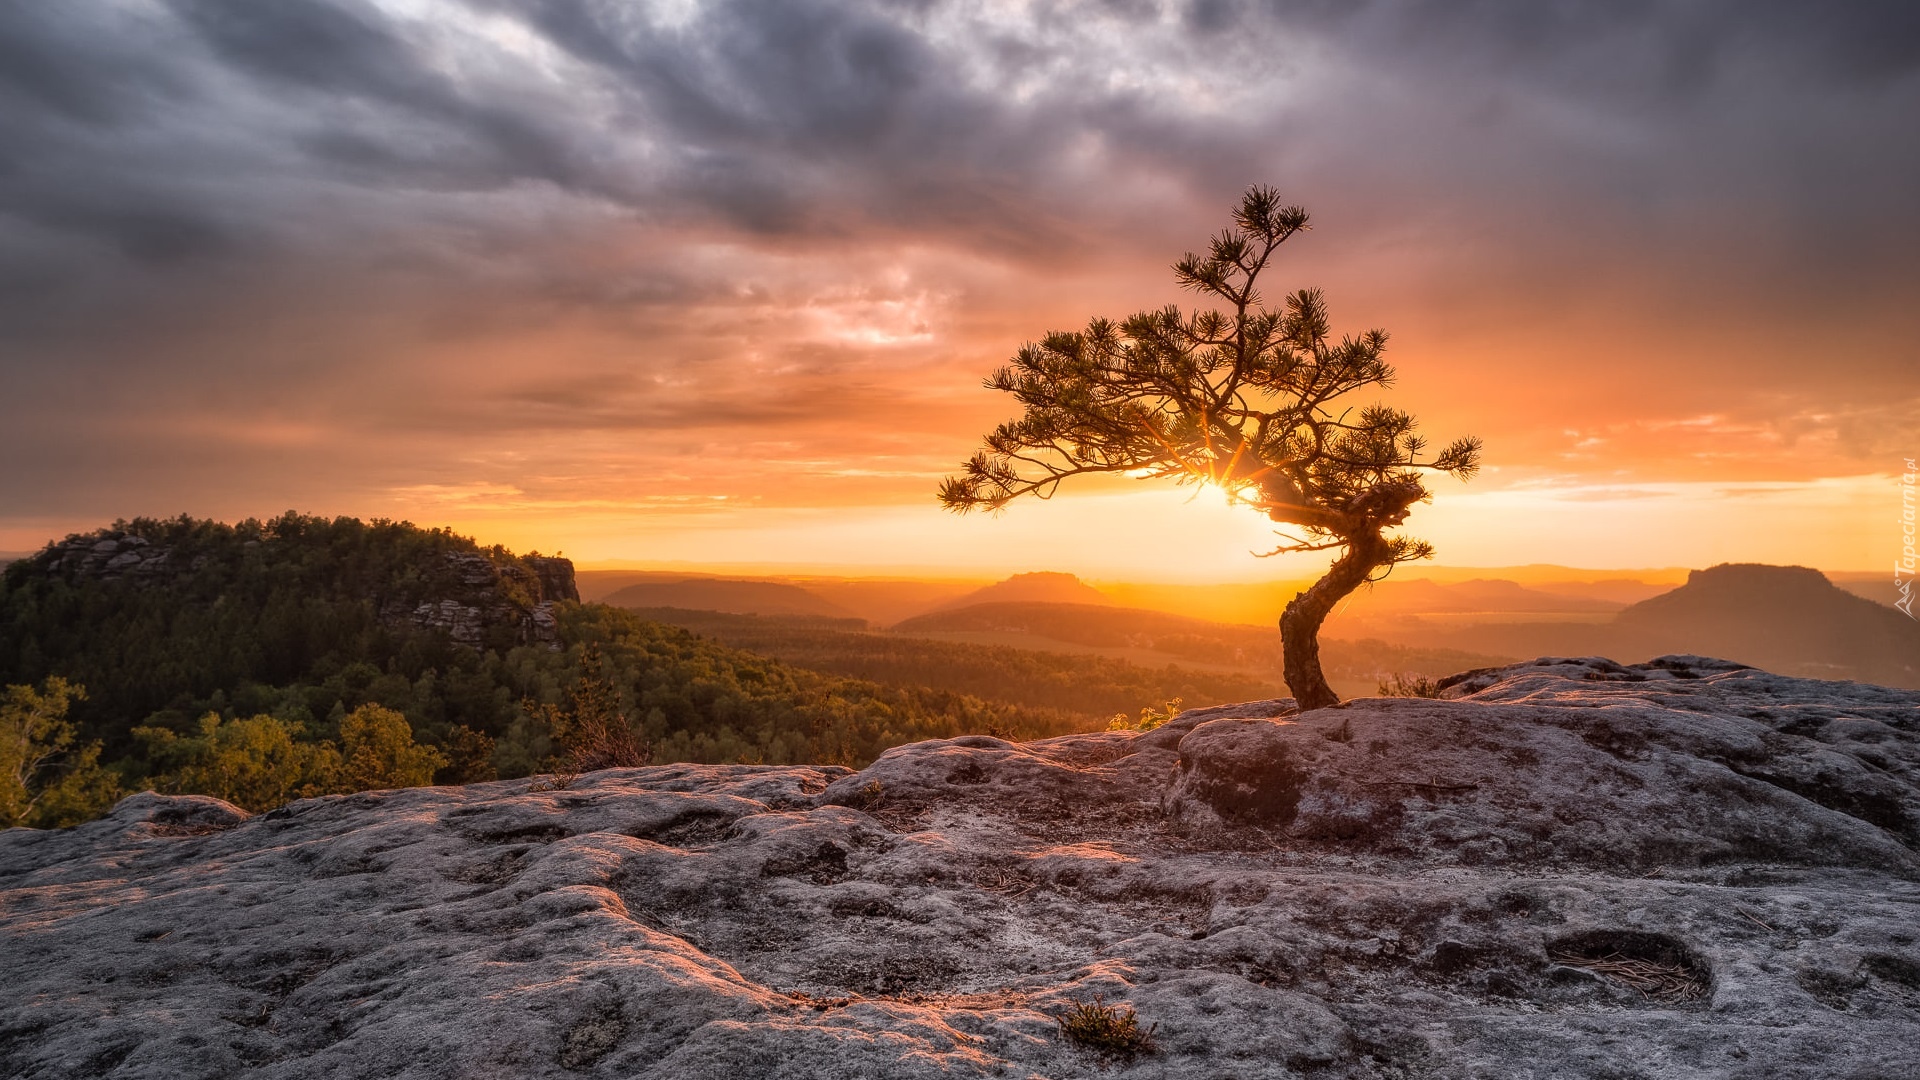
x: 1300, y: 622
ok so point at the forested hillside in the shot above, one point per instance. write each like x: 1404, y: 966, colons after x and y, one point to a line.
x: 1354, y: 666
x: 163, y: 621
x: 200, y: 650
x: 720, y: 594
x: 1091, y: 686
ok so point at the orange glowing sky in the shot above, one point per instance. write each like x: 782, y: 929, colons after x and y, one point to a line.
x: 717, y: 283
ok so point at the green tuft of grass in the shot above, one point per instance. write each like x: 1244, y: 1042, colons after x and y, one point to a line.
x: 1112, y: 1031
x: 1150, y: 717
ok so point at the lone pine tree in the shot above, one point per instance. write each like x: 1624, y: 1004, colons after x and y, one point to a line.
x: 1243, y: 397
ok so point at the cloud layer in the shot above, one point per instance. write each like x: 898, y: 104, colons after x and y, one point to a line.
x: 330, y: 252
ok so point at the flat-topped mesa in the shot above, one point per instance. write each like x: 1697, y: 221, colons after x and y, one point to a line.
x: 1784, y: 618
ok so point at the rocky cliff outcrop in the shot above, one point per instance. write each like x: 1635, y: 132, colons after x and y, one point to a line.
x: 476, y: 597
x: 108, y: 555
x: 476, y: 594
x: 1568, y: 868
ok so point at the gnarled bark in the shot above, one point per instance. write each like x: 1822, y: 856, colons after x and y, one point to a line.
x: 1300, y: 622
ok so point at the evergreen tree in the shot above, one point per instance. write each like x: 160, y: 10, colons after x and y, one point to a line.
x: 592, y: 732
x: 1248, y: 399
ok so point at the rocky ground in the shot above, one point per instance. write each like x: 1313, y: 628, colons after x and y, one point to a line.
x: 1566, y: 869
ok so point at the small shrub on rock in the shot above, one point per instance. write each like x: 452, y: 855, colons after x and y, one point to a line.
x: 1150, y: 717
x: 1112, y: 1031
x: 1409, y: 684
x: 592, y: 732
x: 870, y: 797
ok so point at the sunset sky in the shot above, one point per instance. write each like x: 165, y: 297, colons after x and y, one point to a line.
x: 717, y: 282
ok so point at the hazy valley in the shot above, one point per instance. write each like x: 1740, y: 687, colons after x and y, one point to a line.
x: 1785, y: 619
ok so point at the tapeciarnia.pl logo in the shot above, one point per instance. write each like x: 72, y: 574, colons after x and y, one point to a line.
x: 1903, y: 567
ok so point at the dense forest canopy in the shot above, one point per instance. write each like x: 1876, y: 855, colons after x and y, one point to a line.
x: 282, y: 616
x: 1090, y: 685
x: 264, y: 638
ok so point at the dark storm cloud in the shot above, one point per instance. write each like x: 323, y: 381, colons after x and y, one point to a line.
x: 1854, y: 42
x: 344, y: 51
x: 809, y: 118
x: 813, y: 118
x: 338, y: 46
x: 86, y: 67
x: 74, y: 82
x: 805, y: 77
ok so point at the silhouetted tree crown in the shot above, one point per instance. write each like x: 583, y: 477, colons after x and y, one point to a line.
x: 1245, y: 397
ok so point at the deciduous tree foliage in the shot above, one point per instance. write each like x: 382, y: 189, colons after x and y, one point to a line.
x: 254, y: 762
x: 260, y: 762
x: 48, y: 778
x: 377, y: 751
x: 1244, y: 396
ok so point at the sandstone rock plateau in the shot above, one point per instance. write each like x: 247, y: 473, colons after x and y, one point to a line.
x: 1569, y: 868
x: 476, y: 597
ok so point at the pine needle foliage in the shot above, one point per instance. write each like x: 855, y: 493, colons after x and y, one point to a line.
x: 1248, y: 397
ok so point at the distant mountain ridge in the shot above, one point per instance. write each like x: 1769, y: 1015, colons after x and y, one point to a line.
x: 1085, y: 624
x: 1039, y: 587
x: 1792, y: 620
x: 730, y: 596
x: 1358, y: 665
x: 1421, y: 595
